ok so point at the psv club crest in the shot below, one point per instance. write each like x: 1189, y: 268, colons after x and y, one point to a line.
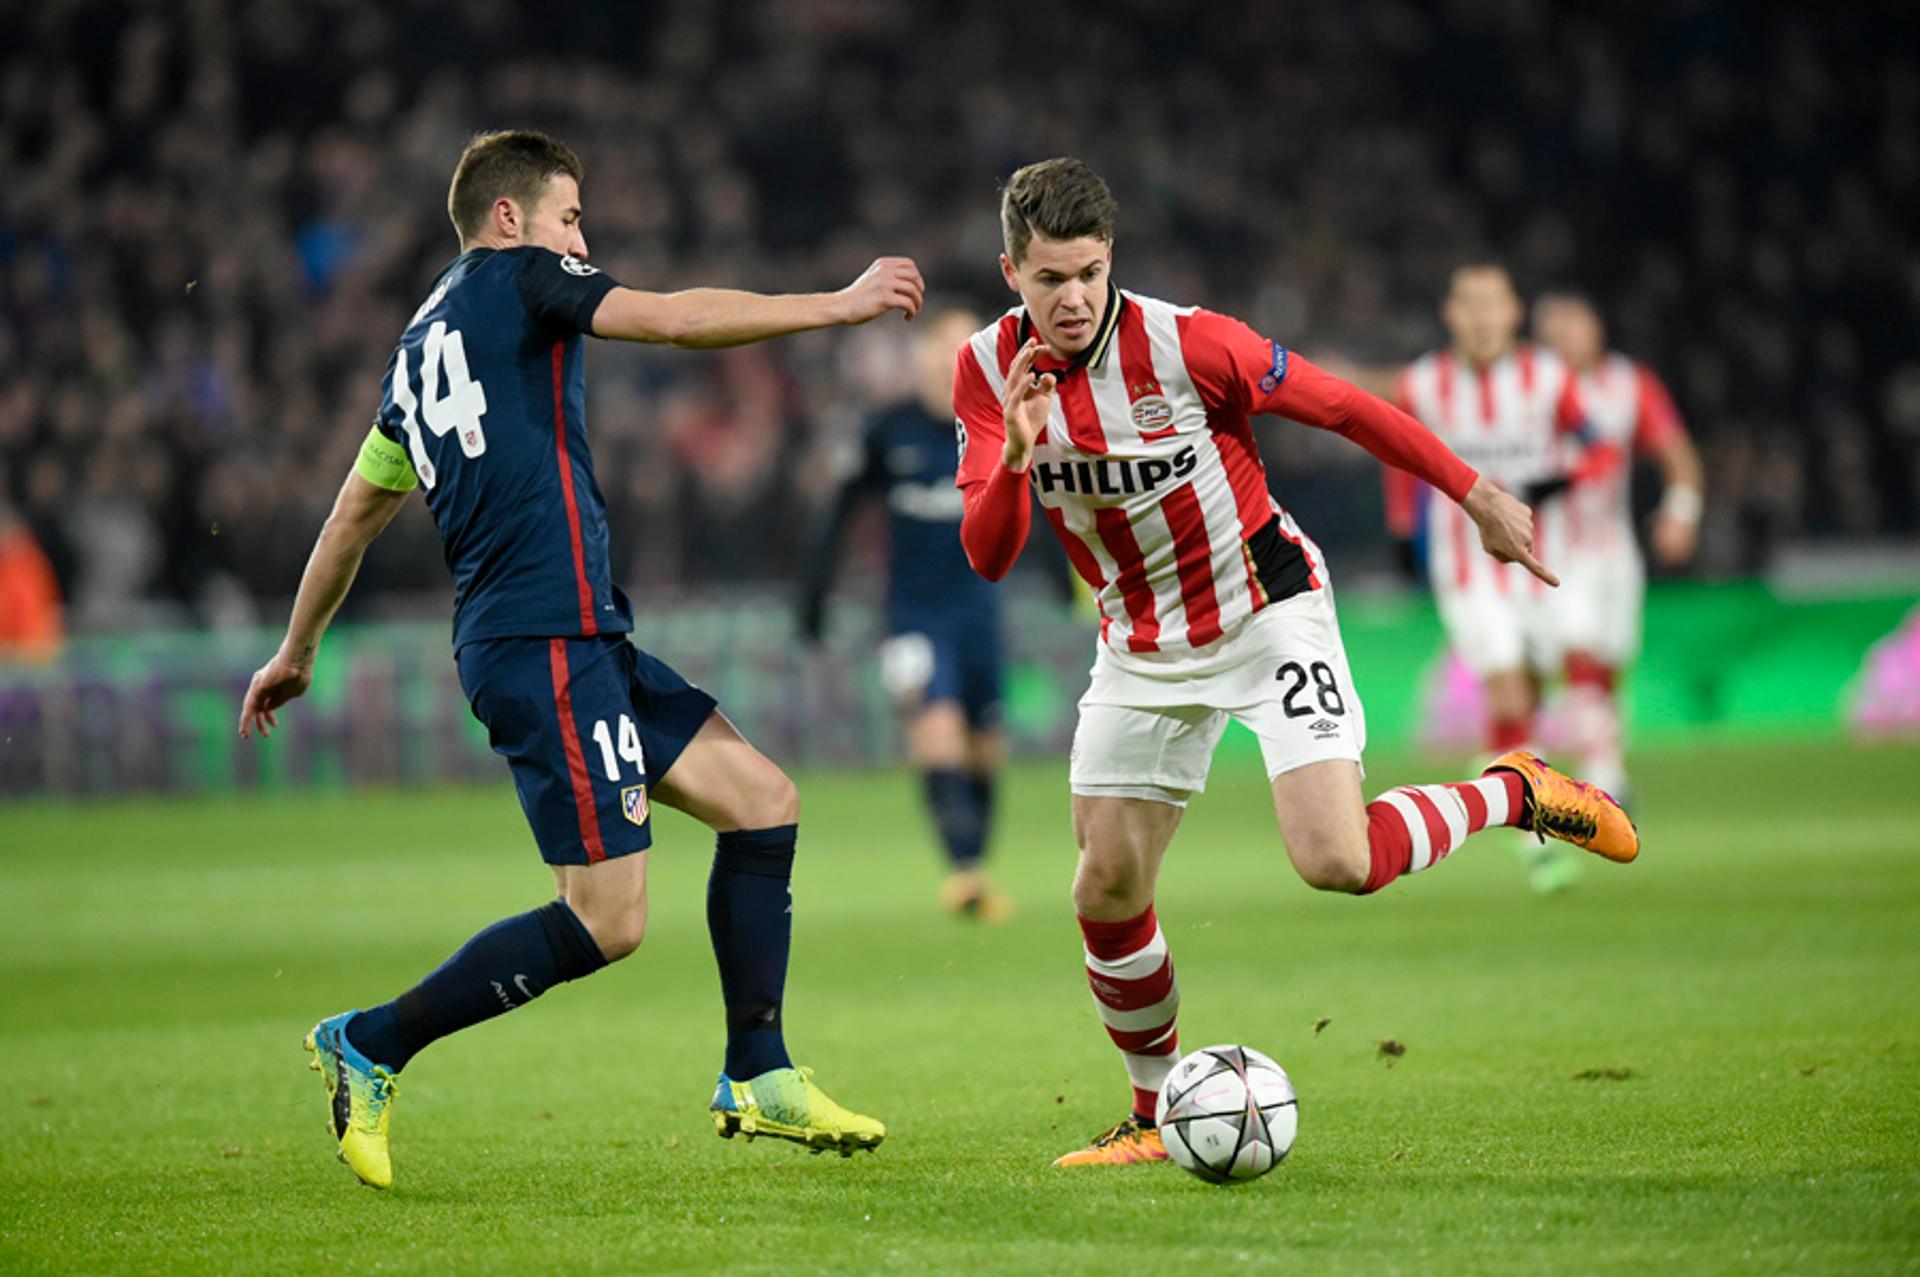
x: 633, y: 803
x: 1152, y: 413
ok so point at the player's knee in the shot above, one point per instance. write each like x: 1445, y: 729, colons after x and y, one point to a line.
x: 1102, y: 885
x: 618, y: 934
x: 777, y: 800
x: 617, y: 928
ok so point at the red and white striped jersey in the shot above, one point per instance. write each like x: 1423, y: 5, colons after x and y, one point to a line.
x: 1509, y: 420
x: 1147, y: 468
x: 1627, y: 406
x: 1151, y: 481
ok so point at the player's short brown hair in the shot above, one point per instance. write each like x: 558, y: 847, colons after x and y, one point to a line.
x: 513, y: 164
x: 1482, y: 265
x: 1059, y: 198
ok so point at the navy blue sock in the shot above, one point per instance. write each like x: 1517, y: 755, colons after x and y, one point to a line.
x: 981, y: 785
x: 750, y: 918
x: 505, y: 966
x: 956, y: 814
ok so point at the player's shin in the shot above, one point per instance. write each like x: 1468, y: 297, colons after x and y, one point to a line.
x: 503, y: 967
x: 1417, y: 826
x: 750, y: 920
x: 1130, y: 971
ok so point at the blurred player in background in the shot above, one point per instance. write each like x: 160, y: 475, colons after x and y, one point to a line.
x: 483, y: 409
x: 1514, y: 412
x: 942, y: 658
x: 1129, y: 417
x: 1599, y: 608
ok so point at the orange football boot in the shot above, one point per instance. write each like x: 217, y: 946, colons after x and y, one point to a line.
x: 1558, y: 806
x: 1131, y: 1141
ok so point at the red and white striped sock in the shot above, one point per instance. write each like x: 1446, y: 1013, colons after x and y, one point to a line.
x: 1415, y: 826
x: 1131, y: 975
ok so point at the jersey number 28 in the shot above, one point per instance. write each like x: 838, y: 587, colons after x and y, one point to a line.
x: 458, y: 410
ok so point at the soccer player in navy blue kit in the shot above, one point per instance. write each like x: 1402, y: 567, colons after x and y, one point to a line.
x: 942, y: 658
x: 484, y: 411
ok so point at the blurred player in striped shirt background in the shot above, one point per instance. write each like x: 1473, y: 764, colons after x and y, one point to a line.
x: 1600, y: 606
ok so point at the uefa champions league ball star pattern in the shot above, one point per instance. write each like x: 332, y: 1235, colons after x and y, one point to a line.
x: 1227, y: 1113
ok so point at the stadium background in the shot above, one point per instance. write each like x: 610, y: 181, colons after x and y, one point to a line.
x: 217, y: 214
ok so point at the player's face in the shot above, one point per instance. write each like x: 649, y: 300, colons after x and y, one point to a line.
x: 1482, y: 313
x: 554, y: 222
x: 1064, y: 284
x: 1570, y: 329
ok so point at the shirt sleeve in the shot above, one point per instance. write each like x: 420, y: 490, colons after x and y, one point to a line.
x: 999, y: 515
x: 1232, y: 366
x: 562, y: 292
x: 1404, y: 494
x: 1657, y: 422
x: 979, y: 434
x: 384, y: 463
x: 1237, y: 369
x: 1595, y: 458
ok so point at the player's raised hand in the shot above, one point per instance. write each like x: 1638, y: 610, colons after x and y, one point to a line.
x: 1674, y: 538
x: 1506, y: 527
x: 273, y: 685
x: 1024, y: 405
x: 891, y: 283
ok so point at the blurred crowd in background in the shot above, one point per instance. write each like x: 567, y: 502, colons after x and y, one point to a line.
x: 218, y: 214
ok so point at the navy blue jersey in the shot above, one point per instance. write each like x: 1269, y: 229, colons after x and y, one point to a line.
x: 486, y: 393
x: 908, y: 459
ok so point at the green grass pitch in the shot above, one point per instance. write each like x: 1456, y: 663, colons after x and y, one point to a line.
x: 1705, y: 1062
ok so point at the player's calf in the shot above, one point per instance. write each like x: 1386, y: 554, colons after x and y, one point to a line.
x: 1331, y: 854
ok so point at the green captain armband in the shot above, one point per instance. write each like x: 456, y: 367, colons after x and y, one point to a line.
x: 385, y: 464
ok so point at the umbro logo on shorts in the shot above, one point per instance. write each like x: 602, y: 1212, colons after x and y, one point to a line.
x: 1323, y: 728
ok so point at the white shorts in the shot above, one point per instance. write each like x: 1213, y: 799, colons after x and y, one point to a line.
x: 1150, y: 720
x: 1598, y: 605
x: 1492, y: 629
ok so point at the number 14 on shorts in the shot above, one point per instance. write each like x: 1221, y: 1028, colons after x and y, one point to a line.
x: 628, y: 750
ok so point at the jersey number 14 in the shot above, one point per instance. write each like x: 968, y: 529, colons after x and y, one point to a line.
x: 458, y: 410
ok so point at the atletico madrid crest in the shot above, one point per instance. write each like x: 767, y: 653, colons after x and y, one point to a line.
x: 633, y: 803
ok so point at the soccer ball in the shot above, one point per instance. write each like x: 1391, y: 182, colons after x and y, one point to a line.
x: 1227, y: 1113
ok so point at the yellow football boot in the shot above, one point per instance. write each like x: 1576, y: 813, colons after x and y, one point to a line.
x: 1131, y: 1141
x: 359, y: 1100
x: 785, y: 1104
x: 968, y: 893
x: 1558, y: 806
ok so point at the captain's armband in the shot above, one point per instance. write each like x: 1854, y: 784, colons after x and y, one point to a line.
x: 385, y: 464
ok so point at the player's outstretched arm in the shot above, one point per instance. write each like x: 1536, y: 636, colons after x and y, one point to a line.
x: 1676, y: 520
x: 361, y: 512
x: 709, y: 318
x: 1236, y: 366
x: 1505, y: 522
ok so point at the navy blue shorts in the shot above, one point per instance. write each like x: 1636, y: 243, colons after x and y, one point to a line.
x: 930, y: 657
x: 586, y: 725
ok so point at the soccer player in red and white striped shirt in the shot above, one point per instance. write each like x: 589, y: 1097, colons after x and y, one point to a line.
x: 1598, y: 612
x: 1516, y: 412
x: 1129, y: 418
